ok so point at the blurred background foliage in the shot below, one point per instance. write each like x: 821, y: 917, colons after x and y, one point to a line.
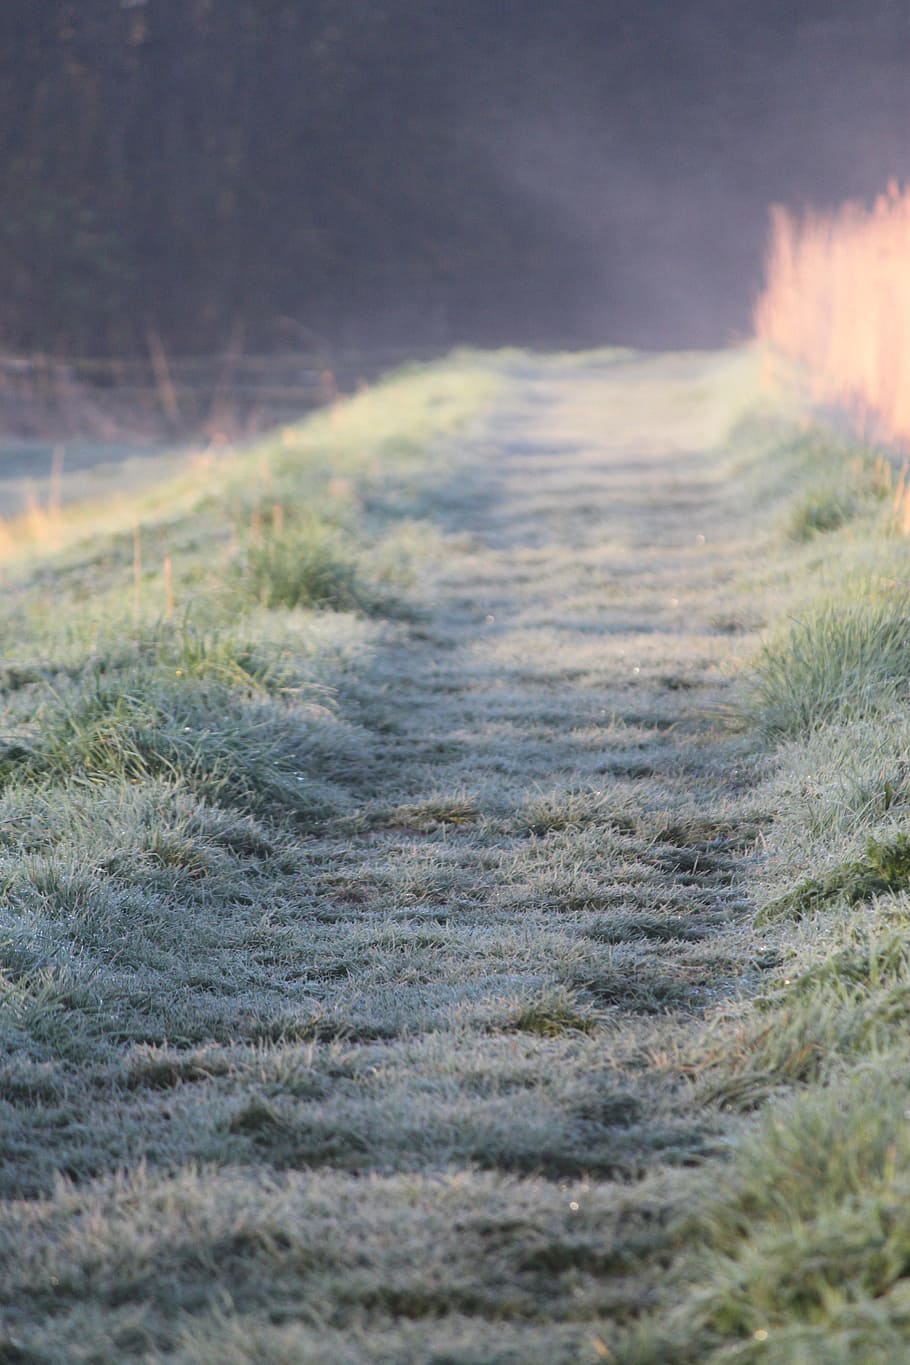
x: 266, y: 172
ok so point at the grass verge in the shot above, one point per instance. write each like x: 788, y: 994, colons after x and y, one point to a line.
x: 172, y: 722
x: 799, y: 1252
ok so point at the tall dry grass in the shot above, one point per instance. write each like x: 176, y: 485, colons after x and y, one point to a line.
x: 837, y: 299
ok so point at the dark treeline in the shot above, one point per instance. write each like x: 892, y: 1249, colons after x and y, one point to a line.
x: 258, y: 173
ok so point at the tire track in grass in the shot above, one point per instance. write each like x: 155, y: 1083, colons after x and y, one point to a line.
x: 467, y: 1133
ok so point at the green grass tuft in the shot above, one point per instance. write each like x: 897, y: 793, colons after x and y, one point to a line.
x: 817, y: 513
x: 885, y: 867
x: 550, y: 1014
x: 306, y: 566
x: 806, y: 1248
x: 841, y: 660
x: 220, y: 741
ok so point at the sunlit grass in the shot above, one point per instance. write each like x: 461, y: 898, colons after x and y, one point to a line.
x: 359, y: 440
x: 837, y: 299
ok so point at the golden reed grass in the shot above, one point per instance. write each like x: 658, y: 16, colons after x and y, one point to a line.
x: 837, y: 299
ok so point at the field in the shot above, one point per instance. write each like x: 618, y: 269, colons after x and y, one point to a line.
x: 456, y: 858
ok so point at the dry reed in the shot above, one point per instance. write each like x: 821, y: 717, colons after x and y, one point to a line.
x: 837, y: 299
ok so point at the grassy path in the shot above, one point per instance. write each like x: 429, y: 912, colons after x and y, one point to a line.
x: 428, y: 1080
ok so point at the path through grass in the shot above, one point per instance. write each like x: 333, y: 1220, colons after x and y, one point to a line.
x: 382, y: 828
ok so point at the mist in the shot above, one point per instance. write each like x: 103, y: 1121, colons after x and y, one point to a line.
x: 659, y: 147
x: 424, y: 178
